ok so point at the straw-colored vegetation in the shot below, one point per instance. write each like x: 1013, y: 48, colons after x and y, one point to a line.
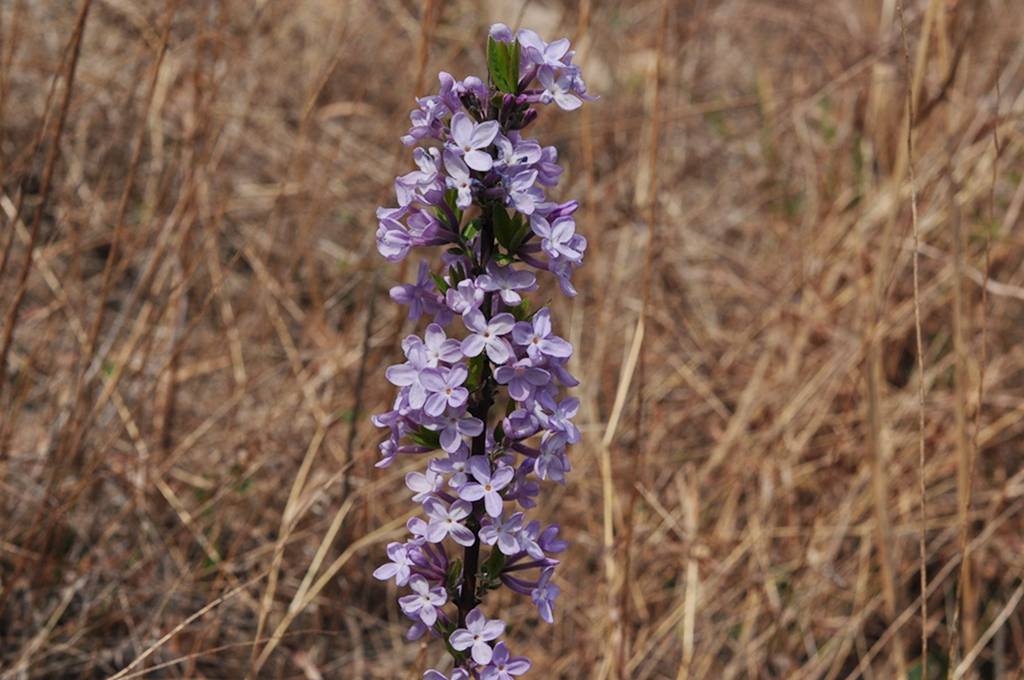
x: 195, y: 324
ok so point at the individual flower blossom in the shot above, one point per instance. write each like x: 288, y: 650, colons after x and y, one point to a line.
x: 534, y: 49
x: 421, y: 297
x: 475, y: 636
x: 424, y: 484
x: 457, y: 674
x: 515, y: 153
x: 506, y: 281
x: 522, y: 378
x: 523, y: 195
x: 399, y: 566
x: 503, y: 666
x: 444, y: 388
x: 446, y: 521
x: 488, y: 484
x: 558, y: 89
x: 455, y: 465
x: 551, y: 463
x: 439, y: 347
x: 424, y: 601
x: 469, y: 139
x: 487, y: 335
x: 393, y: 239
x: 544, y: 595
x: 453, y: 425
x: 465, y: 297
x: 504, y: 534
x: 557, y: 237
x: 408, y: 374
x: 409, y: 185
x: 458, y: 179
x: 535, y: 335
x: 560, y: 420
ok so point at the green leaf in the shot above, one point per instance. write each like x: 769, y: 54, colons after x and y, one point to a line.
x: 441, y: 284
x: 425, y: 437
x: 471, y: 230
x: 503, y: 64
x: 476, y: 372
x: 522, y: 310
x: 504, y: 227
x: 454, y: 573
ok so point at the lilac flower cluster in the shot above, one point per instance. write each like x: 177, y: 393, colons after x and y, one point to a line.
x: 483, y: 385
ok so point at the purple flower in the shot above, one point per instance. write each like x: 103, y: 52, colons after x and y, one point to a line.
x: 464, y: 298
x: 503, y: 666
x: 455, y: 465
x: 501, y: 33
x: 424, y: 602
x: 421, y: 296
x: 505, y: 534
x: 408, y: 374
x: 558, y: 89
x: 446, y: 521
x: 522, y: 378
x: 515, y: 153
x: 488, y: 484
x: 536, y: 337
x: 544, y: 595
x: 398, y: 567
x: 557, y: 237
x: 424, y: 484
x: 458, y: 179
x: 534, y: 49
x: 472, y: 151
x: 487, y: 335
x: 470, y: 138
x: 457, y: 674
x: 439, y: 348
x: 393, y: 240
x: 506, y: 281
x: 453, y: 425
x: 475, y: 636
x: 522, y: 193
x: 444, y: 388
x: 552, y: 463
x: 560, y: 419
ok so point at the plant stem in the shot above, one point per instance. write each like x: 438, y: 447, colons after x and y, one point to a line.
x: 480, y: 409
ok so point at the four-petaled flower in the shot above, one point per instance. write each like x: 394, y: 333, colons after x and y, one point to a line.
x: 399, y: 566
x: 447, y: 521
x: 506, y: 281
x: 522, y: 378
x: 503, y: 666
x: 471, y: 138
x: 424, y: 601
x: 475, y: 636
x: 488, y: 484
x: 544, y: 595
x: 505, y: 534
x: 536, y: 336
x: 488, y: 335
x: 444, y: 388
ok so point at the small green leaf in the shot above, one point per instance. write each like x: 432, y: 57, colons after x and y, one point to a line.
x: 441, y: 284
x: 471, y: 230
x: 476, y: 372
x: 522, y: 310
x: 425, y: 437
x: 504, y: 227
x: 503, y: 65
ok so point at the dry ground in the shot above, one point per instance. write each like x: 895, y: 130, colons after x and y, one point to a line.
x: 186, y: 480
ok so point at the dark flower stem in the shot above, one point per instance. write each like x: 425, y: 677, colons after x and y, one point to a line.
x: 480, y: 408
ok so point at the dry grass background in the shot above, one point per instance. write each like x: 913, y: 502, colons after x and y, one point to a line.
x: 186, y: 481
